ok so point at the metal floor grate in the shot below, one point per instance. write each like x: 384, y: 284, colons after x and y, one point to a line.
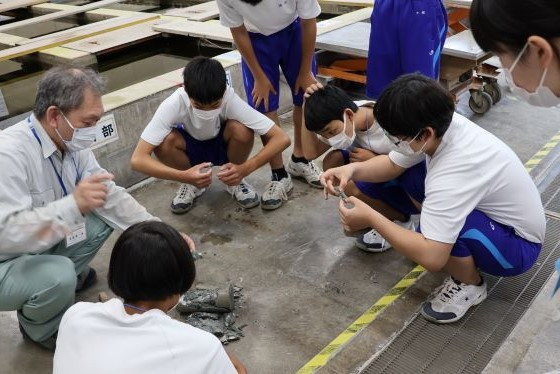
x: 468, y: 345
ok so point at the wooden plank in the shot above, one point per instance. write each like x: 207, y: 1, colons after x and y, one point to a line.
x: 206, y: 30
x: 458, y: 3
x: 343, y: 20
x: 351, y: 3
x: 15, y: 4
x: 215, y: 31
x: 464, y: 46
x: 68, y: 36
x: 56, y: 15
x: 115, y: 39
x: 200, y: 12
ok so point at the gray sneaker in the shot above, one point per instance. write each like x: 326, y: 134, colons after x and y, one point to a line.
x: 276, y: 193
x: 309, y: 172
x: 244, y: 194
x: 184, y: 199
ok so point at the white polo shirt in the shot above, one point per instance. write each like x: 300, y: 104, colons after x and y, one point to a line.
x: 96, y: 338
x: 267, y: 17
x: 472, y: 169
x: 177, y: 109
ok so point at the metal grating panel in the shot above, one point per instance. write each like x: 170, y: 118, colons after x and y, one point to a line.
x: 468, y: 345
x: 551, y: 196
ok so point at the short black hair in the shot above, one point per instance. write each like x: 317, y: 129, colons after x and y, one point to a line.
x: 413, y: 102
x: 325, y: 105
x: 150, y: 262
x: 204, y: 80
x: 505, y: 25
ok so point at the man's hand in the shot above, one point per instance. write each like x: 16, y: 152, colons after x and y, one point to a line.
x: 336, y: 177
x: 361, y: 154
x: 232, y: 174
x: 261, y: 91
x: 310, y: 90
x: 357, y: 218
x: 189, y: 241
x: 304, y: 80
x: 197, y: 176
x: 91, y: 192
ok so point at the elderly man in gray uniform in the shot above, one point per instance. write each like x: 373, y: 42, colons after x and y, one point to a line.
x: 57, y: 205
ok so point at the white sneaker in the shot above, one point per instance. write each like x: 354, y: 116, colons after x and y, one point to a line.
x: 244, y: 194
x: 310, y: 172
x: 372, y: 241
x: 276, y: 193
x: 452, y: 301
x: 184, y: 199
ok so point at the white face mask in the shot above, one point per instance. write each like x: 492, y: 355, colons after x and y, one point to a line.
x: 542, y: 97
x: 207, y: 114
x: 341, y: 140
x: 404, y: 147
x: 82, y: 138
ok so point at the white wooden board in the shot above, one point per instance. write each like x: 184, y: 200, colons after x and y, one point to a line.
x: 200, y: 12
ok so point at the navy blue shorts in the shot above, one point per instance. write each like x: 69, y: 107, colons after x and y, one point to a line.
x: 199, y: 151
x: 407, y: 36
x: 282, y: 49
x: 496, y: 248
x: 396, y: 192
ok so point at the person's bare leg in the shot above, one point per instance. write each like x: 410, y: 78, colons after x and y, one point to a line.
x: 463, y: 269
x: 172, y: 151
x: 298, y: 122
x: 239, y: 139
x: 277, y: 162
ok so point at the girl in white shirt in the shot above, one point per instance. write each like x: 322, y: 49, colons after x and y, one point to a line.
x: 151, y: 266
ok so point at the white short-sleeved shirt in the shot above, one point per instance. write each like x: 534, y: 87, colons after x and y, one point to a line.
x: 267, y: 17
x: 375, y: 140
x: 472, y: 169
x: 98, y: 338
x: 177, y: 109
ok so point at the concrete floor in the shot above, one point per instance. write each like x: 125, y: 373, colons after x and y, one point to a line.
x: 304, y: 281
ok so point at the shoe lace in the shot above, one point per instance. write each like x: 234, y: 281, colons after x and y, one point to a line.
x: 241, y: 187
x: 186, y: 190
x: 449, y: 291
x: 277, y: 188
x: 312, y: 169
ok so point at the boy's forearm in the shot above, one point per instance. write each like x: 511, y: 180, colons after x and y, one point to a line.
x: 273, y: 145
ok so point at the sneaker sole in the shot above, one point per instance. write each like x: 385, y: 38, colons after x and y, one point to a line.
x: 365, y: 248
x: 302, y: 178
x: 443, y: 322
x: 181, y: 211
x: 249, y: 206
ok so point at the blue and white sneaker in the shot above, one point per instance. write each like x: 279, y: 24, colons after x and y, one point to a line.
x: 244, y: 194
x: 452, y: 300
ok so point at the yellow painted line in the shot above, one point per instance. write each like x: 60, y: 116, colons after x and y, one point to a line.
x: 362, y: 322
x: 327, y: 353
x: 543, y: 152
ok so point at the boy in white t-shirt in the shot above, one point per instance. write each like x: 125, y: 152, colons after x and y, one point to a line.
x: 205, y: 124
x: 151, y: 266
x: 348, y: 129
x: 275, y: 34
x: 481, y: 212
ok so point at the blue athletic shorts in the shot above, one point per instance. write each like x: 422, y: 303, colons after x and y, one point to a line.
x: 407, y: 36
x: 496, y: 248
x: 396, y: 192
x: 282, y: 49
x: 199, y: 151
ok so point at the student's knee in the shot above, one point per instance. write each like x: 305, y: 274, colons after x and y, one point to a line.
x: 239, y: 132
x: 332, y: 160
x: 171, y: 143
